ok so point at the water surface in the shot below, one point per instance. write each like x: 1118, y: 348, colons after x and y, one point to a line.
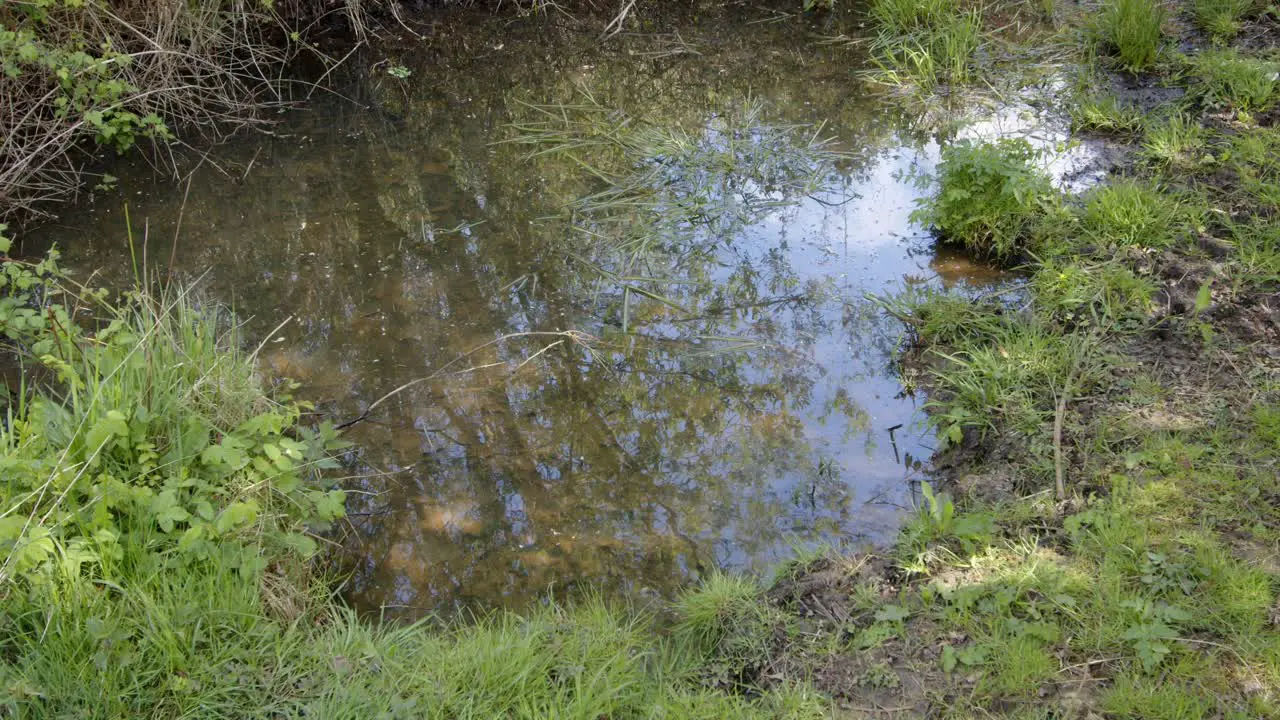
x: 579, y: 394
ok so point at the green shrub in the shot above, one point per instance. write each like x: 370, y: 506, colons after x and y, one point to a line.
x: 988, y: 195
x: 1133, y: 30
x: 158, y: 439
x: 1225, y: 79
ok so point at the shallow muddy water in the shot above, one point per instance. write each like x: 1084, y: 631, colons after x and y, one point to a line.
x: 589, y: 387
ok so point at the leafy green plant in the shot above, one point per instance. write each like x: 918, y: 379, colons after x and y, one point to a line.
x: 1151, y: 635
x: 938, y: 529
x: 1163, y: 573
x: 972, y: 655
x: 153, y: 435
x: 939, y: 509
x: 1133, y: 30
x: 988, y: 196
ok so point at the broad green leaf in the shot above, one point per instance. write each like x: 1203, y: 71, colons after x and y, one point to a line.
x: 301, y: 544
x: 237, y: 515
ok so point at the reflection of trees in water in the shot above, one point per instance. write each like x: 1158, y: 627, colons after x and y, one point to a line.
x: 612, y: 472
x: 646, y: 461
x: 676, y: 445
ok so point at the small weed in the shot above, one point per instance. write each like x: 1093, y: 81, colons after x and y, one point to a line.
x: 880, y: 675
x: 874, y: 636
x: 967, y: 656
x: 1153, y: 630
x: 939, y: 521
x: 989, y: 194
x: 1133, y: 30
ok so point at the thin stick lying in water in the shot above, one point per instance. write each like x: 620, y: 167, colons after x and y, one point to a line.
x: 268, y: 337
x: 571, y: 335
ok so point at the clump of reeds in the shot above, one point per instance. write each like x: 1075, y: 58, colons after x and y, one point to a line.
x: 924, y: 42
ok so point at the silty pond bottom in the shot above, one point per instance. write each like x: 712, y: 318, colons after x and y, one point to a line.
x: 613, y: 298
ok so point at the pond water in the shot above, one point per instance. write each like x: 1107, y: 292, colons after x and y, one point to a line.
x: 613, y: 299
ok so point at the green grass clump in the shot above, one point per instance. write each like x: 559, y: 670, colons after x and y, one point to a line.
x: 1010, y: 383
x: 905, y: 16
x: 989, y: 194
x: 924, y: 41
x: 1130, y: 213
x: 201, y: 643
x: 1105, y: 114
x: 1226, y: 79
x: 1221, y: 18
x: 944, y: 319
x: 1133, y: 30
x: 723, y: 620
x: 1177, y: 142
x: 1098, y: 294
x: 1258, y: 248
x: 1143, y: 698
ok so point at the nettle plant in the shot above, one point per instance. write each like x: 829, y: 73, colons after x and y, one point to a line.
x: 148, y: 440
x: 88, y: 90
x: 988, y: 196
